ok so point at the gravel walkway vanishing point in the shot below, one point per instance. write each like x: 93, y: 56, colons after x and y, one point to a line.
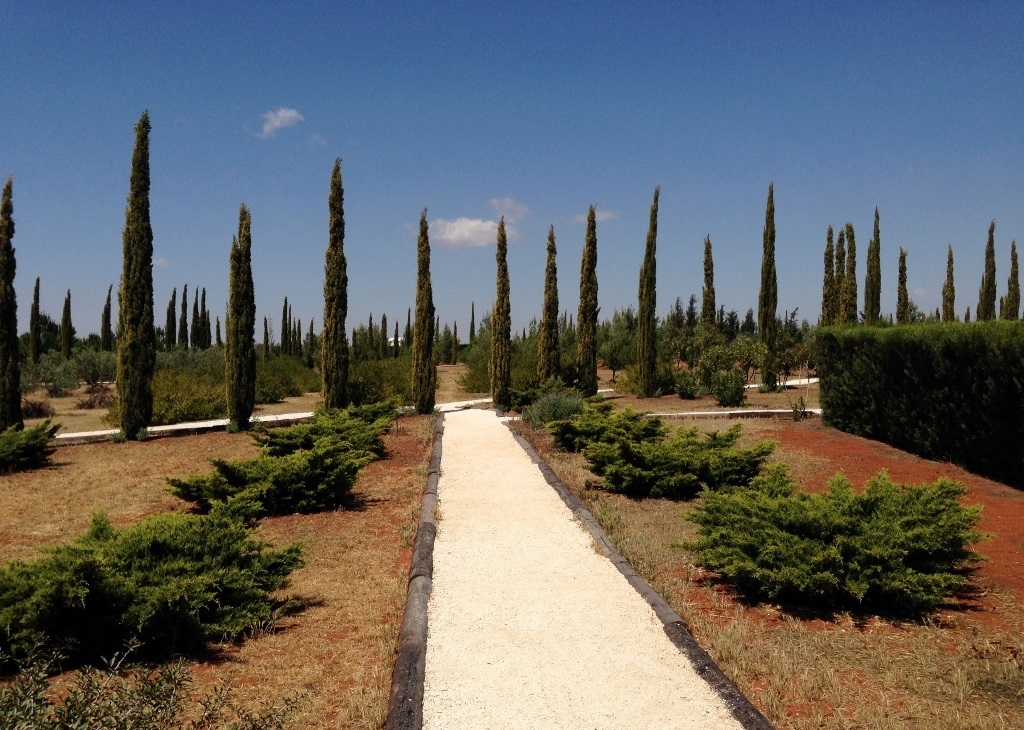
x: 529, y: 626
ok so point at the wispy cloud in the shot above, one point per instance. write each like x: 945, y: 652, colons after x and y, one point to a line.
x: 601, y: 216
x: 920, y: 292
x: 511, y: 209
x: 160, y: 262
x: 279, y: 118
x: 476, y: 232
x: 317, y: 140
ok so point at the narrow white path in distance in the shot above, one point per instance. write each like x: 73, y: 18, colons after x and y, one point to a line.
x: 530, y: 627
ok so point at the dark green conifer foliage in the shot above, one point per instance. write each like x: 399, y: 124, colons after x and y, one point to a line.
x: 240, y: 357
x: 183, y: 322
x: 35, y: 345
x: 1011, y: 305
x: 171, y: 323
x: 840, y: 277
x: 10, y: 370
x: 501, y: 329
x: 949, y: 290
x: 396, y: 346
x: 383, y: 340
x: 334, y: 354
x: 646, y: 347
x: 768, y: 299
x: 407, y: 335
x: 67, y: 330
x: 220, y: 341
x: 204, y: 322
x: 707, y: 308
x: 902, y: 300
x: 549, y: 356
x: 873, y: 278
x: 194, y: 334
x: 967, y: 315
x: 285, y: 329
x: 849, y: 304
x: 472, y: 322
x: 266, y: 339
x: 424, y: 374
x: 136, y: 339
x: 106, y: 331
x: 987, y: 295
x: 586, y: 318
x: 828, y: 286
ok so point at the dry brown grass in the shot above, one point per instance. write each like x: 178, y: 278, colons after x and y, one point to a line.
x: 448, y: 390
x: 958, y: 671
x: 338, y: 650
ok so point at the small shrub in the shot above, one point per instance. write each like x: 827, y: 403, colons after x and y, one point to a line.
x: 37, y: 408
x: 892, y: 548
x: 686, y: 385
x: 93, y: 366
x: 522, y: 399
x: 98, y: 395
x: 598, y: 423
x: 169, y: 583
x: 52, y: 372
x: 553, y: 406
x: 381, y: 380
x: 799, y: 409
x: 729, y: 388
x: 283, y: 377
x: 26, y: 448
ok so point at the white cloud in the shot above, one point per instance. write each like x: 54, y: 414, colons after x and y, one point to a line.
x: 279, y: 118
x: 919, y: 292
x: 511, y: 210
x: 318, y: 140
x: 160, y: 262
x: 601, y: 216
x: 464, y: 232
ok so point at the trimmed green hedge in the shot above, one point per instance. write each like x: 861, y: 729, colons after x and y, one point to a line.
x: 945, y: 391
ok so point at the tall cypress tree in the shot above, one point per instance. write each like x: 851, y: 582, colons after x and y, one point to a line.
x: 240, y: 357
x: 768, y: 299
x: 1011, y: 306
x: 873, y: 278
x: 501, y: 329
x: 949, y: 290
x: 646, y: 348
x: 195, y: 334
x: 902, y: 300
x: 266, y: 339
x: 586, y: 318
x: 828, y: 285
x: 850, y: 278
x: 407, y: 335
x: 67, y: 331
x: 10, y: 370
x: 707, y: 308
x: 987, y: 295
x: 396, y: 350
x: 472, y: 322
x: 383, y: 349
x: 35, y: 344
x: 220, y: 341
x: 840, y: 278
x: 334, y: 355
x: 424, y: 374
x: 285, y: 329
x: 136, y: 340
x: 548, y: 358
x: 106, y: 331
x: 171, y: 323
x: 204, y: 322
x: 183, y: 322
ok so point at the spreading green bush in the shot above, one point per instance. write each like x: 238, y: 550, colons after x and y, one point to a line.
x: 892, y: 549
x: 26, y: 448
x: 374, y: 381
x: 93, y: 366
x: 599, y: 423
x: 278, y: 378
x: 946, y: 391
x: 678, y: 467
x: 686, y: 385
x: 52, y: 372
x: 729, y: 388
x: 554, y: 405
x: 170, y: 583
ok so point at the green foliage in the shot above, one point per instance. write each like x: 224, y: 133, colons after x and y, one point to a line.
x: 949, y: 290
x: 944, y: 391
x: 586, y: 319
x: 548, y: 355
x: 1011, y: 305
x: 283, y: 377
x: 598, y: 423
x: 902, y: 298
x: 987, y: 294
x: 501, y: 324
x: 729, y: 388
x: 828, y: 286
x: 117, y: 694
x: 686, y: 385
x: 240, y: 351
x: 334, y: 350
x: 873, y: 279
x: 678, y: 467
x: 848, y: 294
x: 53, y: 373
x: 892, y: 548
x: 172, y: 583
x: 26, y: 448
x: 10, y: 367
x: 617, y: 340
x: 94, y: 366
x: 767, y: 303
x: 381, y: 380
x: 555, y: 405
x: 646, y: 346
x: 424, y: 372
x: 67, y: 330
x: 707, y: 309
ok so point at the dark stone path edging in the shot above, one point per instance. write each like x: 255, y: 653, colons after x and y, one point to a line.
x: 742, y: 709
x: 405, y: 704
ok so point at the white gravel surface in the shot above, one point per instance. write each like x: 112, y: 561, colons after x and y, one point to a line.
x: 530, y: 627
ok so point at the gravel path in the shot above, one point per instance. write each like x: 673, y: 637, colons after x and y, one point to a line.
x: 529, y: 627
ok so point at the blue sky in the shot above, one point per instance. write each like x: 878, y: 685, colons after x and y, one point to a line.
x: 532, y: 110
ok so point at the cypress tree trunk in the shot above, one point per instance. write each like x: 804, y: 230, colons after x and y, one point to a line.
x: 768, y: 299
x: 987, y: 295
x: 548, y: 360
x: 501, y: 329
x: 136, y: 341
x: 424, y: 374
x: 334, y: 355
x: 183, y: 322
x: 850, y: 278
x: 10, y: 370
x: 828, y: 285
x: 472, y: 322
x: 35, y: 345
x: 171, y: 323
x: 949, y: 290
x: 586, y: 318
x: 873, y: 278
x: 646, y: 350
x: 902, y: 300
x: 707, y: 307
x: 240, y: 358
x: 106, y: 333
x: 1011, y: 309
x: 67, y: 331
